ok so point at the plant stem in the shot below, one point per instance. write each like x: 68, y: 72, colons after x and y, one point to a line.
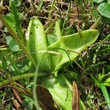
x: 18, y: 40
x: 96, y: 23
x: 19, y: 77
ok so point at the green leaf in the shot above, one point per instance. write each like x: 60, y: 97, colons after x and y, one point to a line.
x: 51, y: 39
x: 61, y: 91
x: 106, y: 95
x: 17, y: 2
x: 107, y: 80
x: 106, y: 84
x: 36, y: 41
x: 98, y: 1
x: 95, y: 80
x: 104, y: 9
x: 9, y: 19
x: 81, y: 104
x: 40, y: 6
x: 13, y: 45
x: 73, y: 42
x: 8, y: 39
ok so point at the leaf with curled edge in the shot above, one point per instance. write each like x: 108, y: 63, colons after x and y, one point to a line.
x: 74, y: 42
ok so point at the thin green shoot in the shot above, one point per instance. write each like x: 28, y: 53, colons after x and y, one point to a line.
x: 77, y: 3
x: 17, y: 70
x: 95, y: 55
x: 96, y: 15
x: 17, y: 19
x: 106, y: 95
x: 5, y: 70
x: 78, y: 64
x: 82, y: 11
x: 1, y: 102
x: 35, y: 82
x: 18, y: 40
x: 107, y: 49
x: 106, y: 45
x: 102, y: 86
x: 66, y: 18
x: 68, y: 11
x: 94, y: 65
x: 28, y: 98
x: 4, y: 65
x: 82, y: 62
x: 40, y: 6
x: 107, y: 80
x: 70, y: 30
x: 103, y: 103
x: 51, y: 8
x: 102, y: 41
x: 2, y: 94
x: 95, y: 80
x: 59, y: 11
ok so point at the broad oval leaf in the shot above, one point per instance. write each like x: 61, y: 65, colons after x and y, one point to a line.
x: 8, y: 39
x: 104, y: 9
x: 36, y: 41
x: 13, y: 45
x: 61, y: 91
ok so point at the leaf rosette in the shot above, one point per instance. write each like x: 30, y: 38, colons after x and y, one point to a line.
x: 36, y: 40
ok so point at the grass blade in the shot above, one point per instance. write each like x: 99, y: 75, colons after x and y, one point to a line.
x: 106, y: 95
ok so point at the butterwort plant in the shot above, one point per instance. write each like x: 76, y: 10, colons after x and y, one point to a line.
x: 55, y: 47
x: 50, y: 52
x: 37, y: 42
